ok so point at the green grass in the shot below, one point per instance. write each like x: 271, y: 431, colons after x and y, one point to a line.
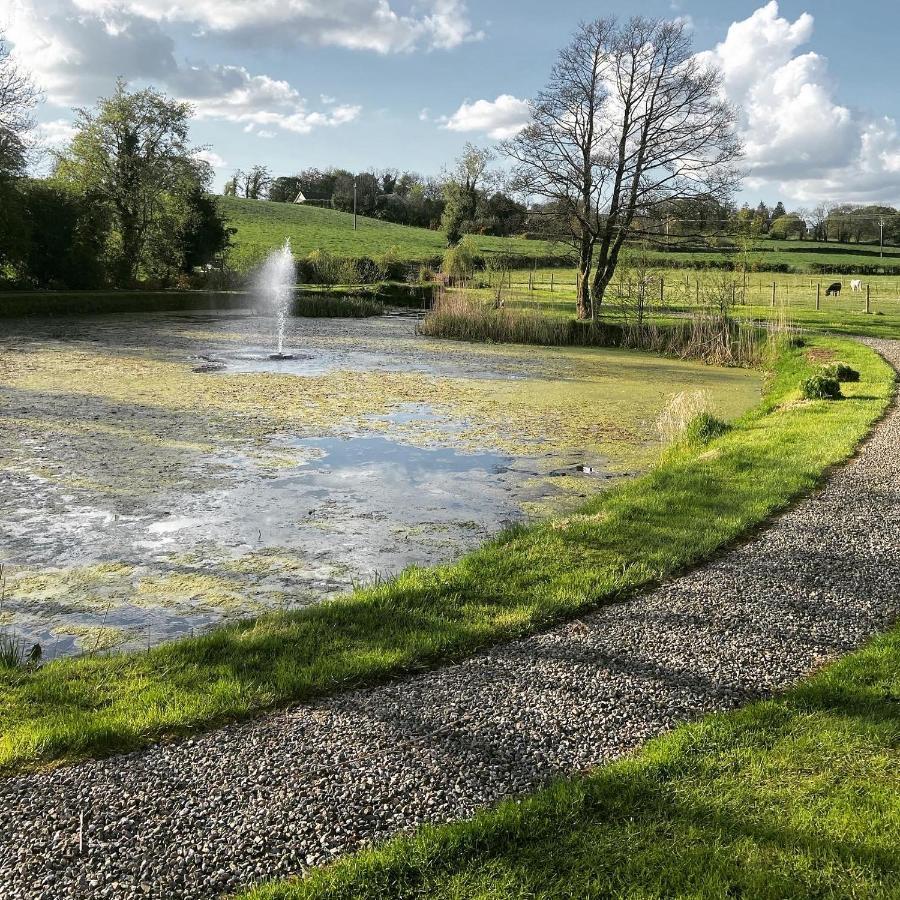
x: 262, y: 226
x: 797, y: 797
x: 526, y: 578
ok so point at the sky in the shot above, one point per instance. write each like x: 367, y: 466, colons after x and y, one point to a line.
x: 364, y: 84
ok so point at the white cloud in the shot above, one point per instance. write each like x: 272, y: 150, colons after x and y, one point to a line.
x: 76, y: 49
x: 800, y: 141
x: 502, y: 118
x: 54, y: 134
x: 353, y: 24
x: 75, y: 57
x: 211, y: 157
x: 232, y: 94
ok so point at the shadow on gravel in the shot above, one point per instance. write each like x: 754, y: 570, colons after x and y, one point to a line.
x: 798, y: 797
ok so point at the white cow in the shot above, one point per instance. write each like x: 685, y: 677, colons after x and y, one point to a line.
x: 856, y: 286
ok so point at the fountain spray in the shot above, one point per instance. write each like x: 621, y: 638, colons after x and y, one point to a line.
x: 275, y: 283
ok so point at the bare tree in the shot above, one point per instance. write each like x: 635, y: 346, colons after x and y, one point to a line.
x: 18, y: 98
x: 629, y: 120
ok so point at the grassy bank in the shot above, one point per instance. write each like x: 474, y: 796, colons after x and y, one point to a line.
x: 797, y: 797
x: 647, y: 529
x: 307, y: 303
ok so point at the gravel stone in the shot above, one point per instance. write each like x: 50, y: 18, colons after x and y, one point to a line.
x: 270, y: 798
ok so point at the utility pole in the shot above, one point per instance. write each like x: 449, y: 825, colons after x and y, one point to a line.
x: 881, y: 226
x: 354, y: 204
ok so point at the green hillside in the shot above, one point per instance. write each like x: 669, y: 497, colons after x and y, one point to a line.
x: 262, y: 225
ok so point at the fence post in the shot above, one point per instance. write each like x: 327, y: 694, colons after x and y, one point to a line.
x: 774, y: 290
x: 868, y: 298
x: 551, y: 282
x: 662, y: 290
x: 698, y: 291
x: 818, y: 297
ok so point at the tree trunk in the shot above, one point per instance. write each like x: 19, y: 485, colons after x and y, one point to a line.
x: 583, y: 294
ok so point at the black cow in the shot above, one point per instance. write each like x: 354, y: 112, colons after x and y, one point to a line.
x: 834, y: 290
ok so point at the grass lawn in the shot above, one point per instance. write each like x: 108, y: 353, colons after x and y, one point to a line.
x: 690, y: 505
x: 797, y: 797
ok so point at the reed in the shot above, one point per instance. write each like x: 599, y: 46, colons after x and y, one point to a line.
x: 707, y: 335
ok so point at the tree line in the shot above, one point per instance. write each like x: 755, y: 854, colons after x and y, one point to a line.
x: 467, y: 199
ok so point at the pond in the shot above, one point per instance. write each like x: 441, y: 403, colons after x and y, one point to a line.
x: 160, y: 474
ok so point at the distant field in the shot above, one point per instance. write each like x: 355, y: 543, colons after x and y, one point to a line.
x: 262, y: 226
x: 799, y: 256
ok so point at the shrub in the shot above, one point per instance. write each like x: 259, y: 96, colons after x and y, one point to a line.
x: 822, y: 387
x: 350, y: 273
x: 324, y: 267
x: 704, y: 428
x: 390, y: 264
x: 841, y: 372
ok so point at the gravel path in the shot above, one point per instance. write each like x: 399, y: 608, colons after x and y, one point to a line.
x: 203, y: 817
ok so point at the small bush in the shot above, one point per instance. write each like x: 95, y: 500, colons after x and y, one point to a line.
x: 704, y: 428
x: 842, y: 372
x: 822, y: 387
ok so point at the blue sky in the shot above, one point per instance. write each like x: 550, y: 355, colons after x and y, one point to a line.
x: 359, y: 83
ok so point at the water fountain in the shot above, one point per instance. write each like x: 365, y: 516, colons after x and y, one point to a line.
x: 275, y: 283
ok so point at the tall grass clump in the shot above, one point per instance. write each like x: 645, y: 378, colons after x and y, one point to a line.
x: 328, y: 306
x: 714, y: 339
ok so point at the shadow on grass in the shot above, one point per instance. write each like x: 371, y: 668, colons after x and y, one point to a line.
x: 798, y: 797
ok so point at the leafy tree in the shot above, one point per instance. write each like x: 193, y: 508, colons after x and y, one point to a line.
x: 18, y: 98
x: 779, y: 212
x: 254, y: 184
x: 284, y: 189
x: 131, y: 155
x: 788, y: 227
x: 67, y: 235
x: 367, y: 190
x: 461, y: 191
